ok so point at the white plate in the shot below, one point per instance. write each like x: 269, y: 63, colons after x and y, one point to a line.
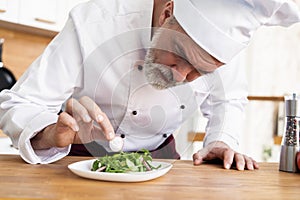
x: 83, y: 169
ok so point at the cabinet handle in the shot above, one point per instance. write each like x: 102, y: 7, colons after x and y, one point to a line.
x: 44, y: 20
x: 2, y: 11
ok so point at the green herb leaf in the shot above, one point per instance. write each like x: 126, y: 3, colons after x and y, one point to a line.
x: 125, y: 162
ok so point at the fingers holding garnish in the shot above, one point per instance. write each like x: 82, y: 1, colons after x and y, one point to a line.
x: 116, y: 144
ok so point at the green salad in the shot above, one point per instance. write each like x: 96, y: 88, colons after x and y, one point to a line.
x: 125, y: 162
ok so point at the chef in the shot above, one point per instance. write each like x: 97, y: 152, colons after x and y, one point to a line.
x: 136, y: 70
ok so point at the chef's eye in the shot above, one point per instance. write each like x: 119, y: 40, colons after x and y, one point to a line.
x: 173, y: 66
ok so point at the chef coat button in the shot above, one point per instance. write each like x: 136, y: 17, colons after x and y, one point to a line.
x: 165, y: 135
x: 140, y: 67
x: 134, y: 112
x: 182, y: 107
x: 122, y: 136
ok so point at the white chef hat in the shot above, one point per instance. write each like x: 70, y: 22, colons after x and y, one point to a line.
x: 224, y: 27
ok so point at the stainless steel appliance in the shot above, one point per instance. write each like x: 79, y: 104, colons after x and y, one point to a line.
x: 290, y: 140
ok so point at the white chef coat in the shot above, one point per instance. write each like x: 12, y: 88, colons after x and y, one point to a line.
x: 99, y: 54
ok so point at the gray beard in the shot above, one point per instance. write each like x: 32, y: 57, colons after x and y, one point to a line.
x: 158, y: 75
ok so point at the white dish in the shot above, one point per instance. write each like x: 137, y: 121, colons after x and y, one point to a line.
x: 83, y: 169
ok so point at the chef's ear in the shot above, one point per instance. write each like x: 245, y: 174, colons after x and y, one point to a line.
x: 166, y: 12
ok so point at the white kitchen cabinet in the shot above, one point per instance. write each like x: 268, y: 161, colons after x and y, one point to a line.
x: 9, y: 10
x: 43, y: 14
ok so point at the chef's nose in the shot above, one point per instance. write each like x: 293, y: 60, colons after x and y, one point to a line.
x: 178, y: 76
x: 180, y: 72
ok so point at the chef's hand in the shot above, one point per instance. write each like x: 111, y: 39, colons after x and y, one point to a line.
x: 76, y: 126
x: 219, y: 150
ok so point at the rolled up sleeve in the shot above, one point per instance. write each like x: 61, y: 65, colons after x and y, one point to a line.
x: 33, y: 103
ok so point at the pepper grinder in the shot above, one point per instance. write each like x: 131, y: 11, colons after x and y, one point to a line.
x: 290, y: 140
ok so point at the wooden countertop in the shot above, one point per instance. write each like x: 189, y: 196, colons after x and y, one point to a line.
x: 20, y: 180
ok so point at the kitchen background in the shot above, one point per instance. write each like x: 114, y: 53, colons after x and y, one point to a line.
x: 271, y: 63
